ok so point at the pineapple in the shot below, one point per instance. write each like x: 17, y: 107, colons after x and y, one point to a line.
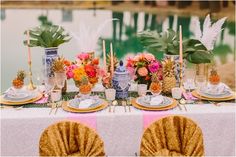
x: 18, y: 82
x: 115, y: 62
x: 155, y: 86
x: 58, y: 65
x: 169, y: 80
x: 214, y: 77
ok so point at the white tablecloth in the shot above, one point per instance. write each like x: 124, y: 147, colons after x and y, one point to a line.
x: 121, y: 131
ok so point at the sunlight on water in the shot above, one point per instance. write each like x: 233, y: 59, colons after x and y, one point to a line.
x: 122, y: 34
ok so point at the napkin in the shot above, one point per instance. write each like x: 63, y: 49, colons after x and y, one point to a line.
x: 86, y: 103
x: 189, y: 96
x: 216, y: 89
x: 157, y: 100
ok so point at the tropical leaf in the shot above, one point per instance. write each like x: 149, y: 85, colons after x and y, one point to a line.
x: 47, y: 36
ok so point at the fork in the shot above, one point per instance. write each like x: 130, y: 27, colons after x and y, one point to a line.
x: 114, y: 103
x: 124, y: 104
x: 53, y: 105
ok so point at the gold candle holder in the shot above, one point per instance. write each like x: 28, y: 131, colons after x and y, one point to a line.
x: 181, y: 75
x: 31, y: 84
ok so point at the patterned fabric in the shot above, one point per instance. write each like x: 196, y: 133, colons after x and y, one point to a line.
x: 172, y: 136
x: 69, y: 138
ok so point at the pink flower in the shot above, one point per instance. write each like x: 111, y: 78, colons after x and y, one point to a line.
x: 148, y: 56
x: 83, y: 56
x: 143, y: 71
x: 129, y: 62
x: 69, y: 71
x: 137, y: 57
x: 131, y: 72
x: 154, y: 67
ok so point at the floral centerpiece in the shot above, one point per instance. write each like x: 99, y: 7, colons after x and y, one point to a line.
x: 84, y: 71
x: 143, y: 66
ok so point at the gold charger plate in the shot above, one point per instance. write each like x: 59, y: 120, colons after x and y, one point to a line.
x: 136, y: 105
x: 6, y: 102
x: 194, y: 93
x: 94, y: 109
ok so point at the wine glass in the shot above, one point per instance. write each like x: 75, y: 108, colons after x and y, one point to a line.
x: 60, y: 78
x: 49, y: 84
x: 200, y: 83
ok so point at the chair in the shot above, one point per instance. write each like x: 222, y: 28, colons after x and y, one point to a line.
x: 172, y: 136
x: 69, y: 138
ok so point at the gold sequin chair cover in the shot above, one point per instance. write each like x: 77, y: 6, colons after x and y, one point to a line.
x: 172, y: 136
x: 69, y: 138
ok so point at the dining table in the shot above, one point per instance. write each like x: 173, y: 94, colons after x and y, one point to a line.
x: 120, y: 128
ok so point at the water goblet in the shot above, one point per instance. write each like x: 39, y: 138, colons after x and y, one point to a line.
x: 142, y: 89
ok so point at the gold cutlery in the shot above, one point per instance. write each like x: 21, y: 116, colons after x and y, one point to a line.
x: 129, y: 104
x: 179, y: 106
x: 57, y: 106
x: 183, y: 102
x: 53, y: 106
x: 114, y: 103
x: 124, y: 104
x: 109, y: 106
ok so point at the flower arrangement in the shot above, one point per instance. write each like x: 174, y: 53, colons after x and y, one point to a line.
x: 142, y: 66
x: 84, y: 70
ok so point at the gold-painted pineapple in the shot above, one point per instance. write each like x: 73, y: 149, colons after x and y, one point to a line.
x: 18, y: 82
x: 115, y: 62
x: 169, y: 80
x: 58, y: 65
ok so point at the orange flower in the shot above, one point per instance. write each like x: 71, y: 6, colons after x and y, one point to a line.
x: 93, y: 80
x: 95, y: 61
x: 147, y: 78
x: 67, y: 63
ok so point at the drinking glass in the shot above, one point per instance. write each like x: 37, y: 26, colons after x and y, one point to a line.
x: 142, y: 89
x: 49, y: 84
x: 200, y: 82
x: 60, y: 78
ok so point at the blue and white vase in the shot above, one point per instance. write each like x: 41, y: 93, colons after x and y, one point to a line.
x: 175, y: 58
x: 50, y: 55
x: 121, y: 82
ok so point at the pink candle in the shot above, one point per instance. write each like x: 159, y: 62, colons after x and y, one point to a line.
x: 104, y: 56
x: 112, y: 64
x: 28, y: 43
x: 180, y: 45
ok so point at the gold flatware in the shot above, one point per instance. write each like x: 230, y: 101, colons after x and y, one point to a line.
x: 124, y: 104
x: 109, y: 107
x: 18, y: 108
x: 53, y: 105
x: 56, y: 108
x: 179, y: 106
x: 183, y: 102
x: 114, y: 103
x: 129, y: 104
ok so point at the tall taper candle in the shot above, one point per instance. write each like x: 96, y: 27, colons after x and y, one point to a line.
x: 180, y: 45
x: 112, y: 60
x: 28, y: 43
x: 104, y: 55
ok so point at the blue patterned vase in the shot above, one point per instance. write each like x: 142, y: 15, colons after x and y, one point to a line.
x: 50, y: 55
x: 175, y: 58
x: 121, y: 82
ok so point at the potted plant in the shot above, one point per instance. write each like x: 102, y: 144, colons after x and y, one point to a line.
x: 49, y: 37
